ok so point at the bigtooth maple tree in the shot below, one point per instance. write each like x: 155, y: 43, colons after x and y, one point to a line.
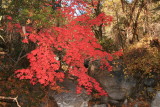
x: 69, y: 44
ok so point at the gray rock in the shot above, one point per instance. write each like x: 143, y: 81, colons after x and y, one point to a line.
x: 71, y: 98
x: 156, y: 101
x: 116, y: 85
x: 101, y: 105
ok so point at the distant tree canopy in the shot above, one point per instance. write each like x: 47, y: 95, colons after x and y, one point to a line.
x: 132, y: 21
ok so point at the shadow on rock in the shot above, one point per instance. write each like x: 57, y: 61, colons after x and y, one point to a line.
x: 114, y: 83
x: 70, y: 98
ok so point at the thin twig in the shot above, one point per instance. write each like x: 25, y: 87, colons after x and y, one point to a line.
x: 2, y: 53
x: 10, y: 98
x: 19, y: 60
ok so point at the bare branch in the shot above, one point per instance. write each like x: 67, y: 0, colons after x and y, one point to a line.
x: 10, y: 98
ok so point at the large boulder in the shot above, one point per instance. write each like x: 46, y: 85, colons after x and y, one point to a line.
x: 70, y: 98
x: 117, y: 86
x: 156, y: 101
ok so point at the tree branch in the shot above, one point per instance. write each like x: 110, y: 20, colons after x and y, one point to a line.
x: 10, y: 98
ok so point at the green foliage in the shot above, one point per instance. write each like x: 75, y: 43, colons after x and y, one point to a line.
x: 108, y: 44
x: 32, y: 12
x: 39, y: 16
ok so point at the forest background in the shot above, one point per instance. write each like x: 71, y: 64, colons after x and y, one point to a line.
x: 39, y: 37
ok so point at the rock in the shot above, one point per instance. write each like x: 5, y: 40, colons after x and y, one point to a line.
x: 100, y: 105
x: 151, y: 79
x: 71, y: 98
x: 115, y: 84
x: 156, y: 101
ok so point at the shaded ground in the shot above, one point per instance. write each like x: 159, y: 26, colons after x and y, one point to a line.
x: 39, y: 96
x: 28, y: 95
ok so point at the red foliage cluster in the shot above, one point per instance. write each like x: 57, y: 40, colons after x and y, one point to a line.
x: 76, y: 42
